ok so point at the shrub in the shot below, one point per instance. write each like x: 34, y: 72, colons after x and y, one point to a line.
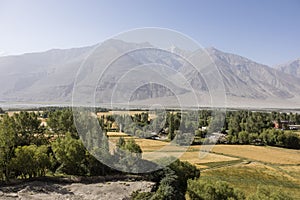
x: 198, y: 189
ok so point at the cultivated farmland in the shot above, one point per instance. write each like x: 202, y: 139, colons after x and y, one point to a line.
x: 243, y: 166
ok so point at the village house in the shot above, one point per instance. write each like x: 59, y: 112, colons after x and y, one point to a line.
x: 285, y: 124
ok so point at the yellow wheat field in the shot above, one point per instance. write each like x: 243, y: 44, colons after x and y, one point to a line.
x: 272, y: 155
x: 116, y: 134
x: 154, y: 149
x: 200, y: 158
x: 150, y: 145
x: 292, y: 170
x: 218, y: 153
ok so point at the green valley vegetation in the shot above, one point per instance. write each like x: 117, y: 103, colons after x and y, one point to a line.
x: 46, y: 143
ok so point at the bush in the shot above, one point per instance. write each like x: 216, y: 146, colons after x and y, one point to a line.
x: 198, y: 189
x: 30, y: 161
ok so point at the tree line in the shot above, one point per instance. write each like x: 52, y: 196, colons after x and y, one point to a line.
x: 29, y: 149
x: 246, y: 127
x: 237, y: 127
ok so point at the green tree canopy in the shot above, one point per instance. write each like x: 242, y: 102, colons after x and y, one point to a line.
x: 70, y: 153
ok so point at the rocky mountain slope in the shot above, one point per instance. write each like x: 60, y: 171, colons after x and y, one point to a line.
x: 49, y: 77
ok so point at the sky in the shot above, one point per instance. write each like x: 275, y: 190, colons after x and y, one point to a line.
x: 266, y: 31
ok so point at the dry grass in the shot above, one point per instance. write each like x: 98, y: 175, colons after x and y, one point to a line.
x: 248, y: 176
x: 199, y: 158
x: 191, y: 157
x: 158, y: 155
x: 293, y: 171
x: 272, y: 155
x: 116, y: 134
x: 150, y: 145
x: 155, y: 149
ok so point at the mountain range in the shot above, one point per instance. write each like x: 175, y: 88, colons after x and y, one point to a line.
x: 50, y: 77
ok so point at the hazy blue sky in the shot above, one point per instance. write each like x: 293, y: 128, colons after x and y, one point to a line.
x: 266, y: 31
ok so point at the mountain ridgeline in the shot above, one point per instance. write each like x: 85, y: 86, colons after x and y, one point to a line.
x: 292, y: 68
x: 49, y: 77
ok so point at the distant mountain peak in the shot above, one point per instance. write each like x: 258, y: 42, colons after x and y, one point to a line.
x: 212, y: 49
x: 291, y: 67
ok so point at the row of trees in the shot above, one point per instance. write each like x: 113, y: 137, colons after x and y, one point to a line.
x: 168, y: 124
x: 240, y: 127
x: 245, y: 127
x: 245, y: 120
x: 27, y: 152
x: 270, y: 137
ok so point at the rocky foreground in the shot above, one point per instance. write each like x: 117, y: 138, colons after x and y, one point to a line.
x: 111, y: 190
